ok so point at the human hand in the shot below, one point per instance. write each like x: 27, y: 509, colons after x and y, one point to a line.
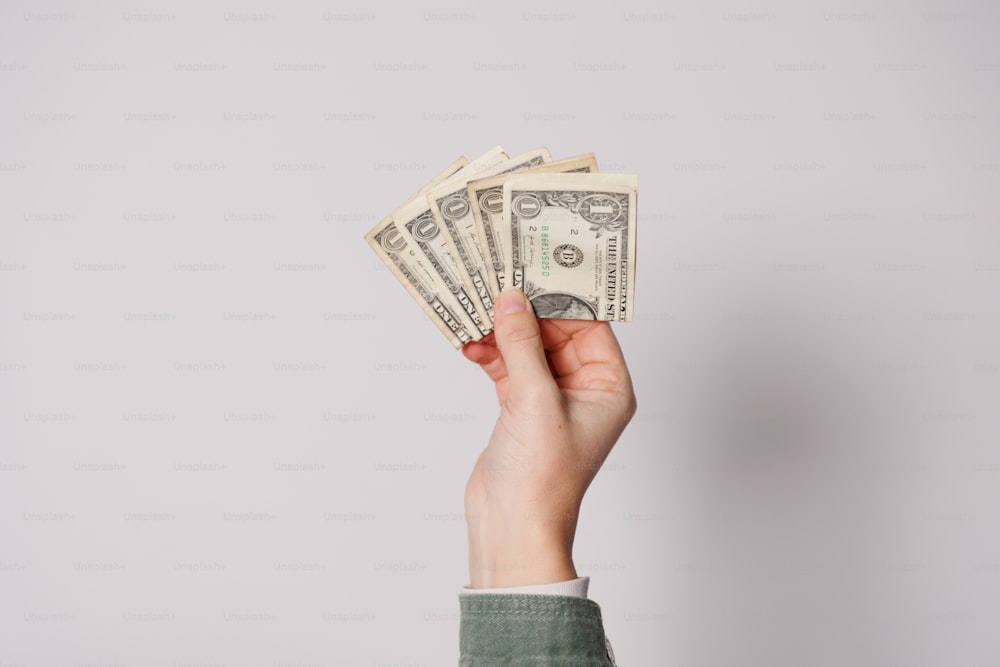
x: 565, y: 397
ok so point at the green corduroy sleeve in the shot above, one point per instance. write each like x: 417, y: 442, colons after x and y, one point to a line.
x: 537, y: 630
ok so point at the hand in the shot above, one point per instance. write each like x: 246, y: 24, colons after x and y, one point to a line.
x: 565, y: 396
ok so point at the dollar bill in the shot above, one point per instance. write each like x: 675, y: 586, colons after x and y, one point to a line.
x: 573, y: 243
x: 438, y: 304
x: 422, y: 232
x: 420, y: 229
x: 486, y: 197
x: 452, y: 209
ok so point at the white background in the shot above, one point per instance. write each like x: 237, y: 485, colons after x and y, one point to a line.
x: 227, y: 437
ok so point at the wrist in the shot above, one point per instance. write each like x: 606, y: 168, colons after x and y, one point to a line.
x: 528, y: 552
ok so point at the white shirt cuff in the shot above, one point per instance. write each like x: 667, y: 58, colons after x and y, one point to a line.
x: 576, y: 588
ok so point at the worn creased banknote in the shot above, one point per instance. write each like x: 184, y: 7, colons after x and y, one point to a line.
x: 494, y: 232
x: 418, y: 225
x: 452, y: 209
x: 573, y: 243
x: 435, y: 301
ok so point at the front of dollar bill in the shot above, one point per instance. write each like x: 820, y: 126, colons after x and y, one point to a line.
x: 486, y: 196
x: 573, y: 239
x: 421, y: 231
x: 437, y: 302
x: 453, y: 211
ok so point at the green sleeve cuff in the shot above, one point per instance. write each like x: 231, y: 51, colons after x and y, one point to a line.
x: 537, y: 630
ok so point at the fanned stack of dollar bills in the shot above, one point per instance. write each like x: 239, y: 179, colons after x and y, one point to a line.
x: 558, y: 230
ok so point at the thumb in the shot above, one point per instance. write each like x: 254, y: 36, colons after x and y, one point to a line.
x: 520, y: 343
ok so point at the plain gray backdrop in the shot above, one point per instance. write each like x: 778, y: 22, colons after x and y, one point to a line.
x: 228, y: 437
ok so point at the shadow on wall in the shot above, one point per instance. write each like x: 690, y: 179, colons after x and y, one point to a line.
x: 792, y: 443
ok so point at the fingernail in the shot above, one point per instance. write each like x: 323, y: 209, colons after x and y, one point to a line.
x: 512, y: 301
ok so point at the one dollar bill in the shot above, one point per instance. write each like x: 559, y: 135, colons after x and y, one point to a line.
x: 573, y: 243
x: 429, y: 247
x: 452, y: 209
x: 392, y: 248
x: 486, y: 197
x: 439, y: 304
